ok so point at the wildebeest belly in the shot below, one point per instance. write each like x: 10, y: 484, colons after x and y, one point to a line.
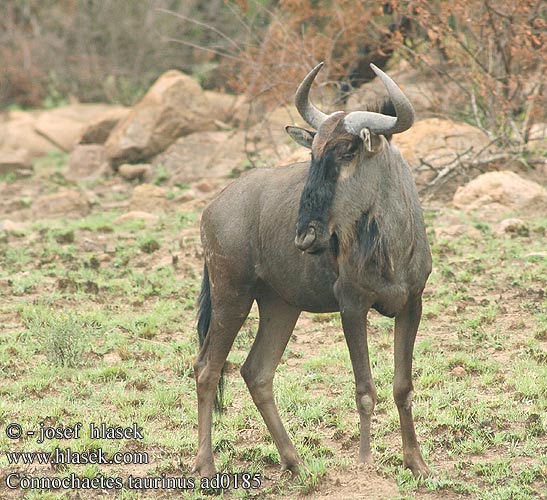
x: 304, y: 281
x: 390, y: 299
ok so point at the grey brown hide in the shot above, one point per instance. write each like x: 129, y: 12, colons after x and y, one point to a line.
x: 360, y: 243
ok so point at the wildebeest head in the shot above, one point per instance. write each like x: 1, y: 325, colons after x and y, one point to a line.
x: 340, y: 146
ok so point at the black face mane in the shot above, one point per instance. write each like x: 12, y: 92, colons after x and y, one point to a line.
x: 318, y: 192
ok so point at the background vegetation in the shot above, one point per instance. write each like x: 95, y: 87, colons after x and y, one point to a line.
x: 490, y: 55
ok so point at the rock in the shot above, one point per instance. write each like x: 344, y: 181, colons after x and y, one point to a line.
x: 230, y: 109
x: 513, y: 226
x: 214, y: 154
x: 458, y: 372
x: 496, y: 193
x: 15, y: 162
x: 17, y: 132
x: 148, y: 198
x: 5, y: 284
x: 11, y: 227
x: 188, y: 195
x: 204, y: 185
x: 41, y: 132
x: 112, y: 358
x: 136, y: 215
x: 99, y: 129
x: 174, y: 106
x: 536, y: 255
x: 204, y: 154
x: 87, y: 161
x: 63, y: 126
x: 91, y: 245
x: 439, y: 142
x: 141, y: 171
x: 456, y: 230
x: 64, y: 203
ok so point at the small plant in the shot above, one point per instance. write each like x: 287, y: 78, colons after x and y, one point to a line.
x: 63, y: 336
x: 162, y: 175
x: 149, y: 245
x: 55, y: 160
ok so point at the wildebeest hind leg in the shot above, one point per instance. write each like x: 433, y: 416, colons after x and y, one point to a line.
x: 277, y: 320
x: 228, y: 314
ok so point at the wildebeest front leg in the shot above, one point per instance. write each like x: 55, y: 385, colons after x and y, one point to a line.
x: 354, y: 324
x: 406, y: 327
x: 277, y: 320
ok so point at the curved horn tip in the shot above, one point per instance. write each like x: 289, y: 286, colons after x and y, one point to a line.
x: 307, y: 110
x: 317, y: 68
x: 376, y: 69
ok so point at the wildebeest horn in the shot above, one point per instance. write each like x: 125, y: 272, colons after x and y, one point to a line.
x: 307, y: 110
x: 379, y: 123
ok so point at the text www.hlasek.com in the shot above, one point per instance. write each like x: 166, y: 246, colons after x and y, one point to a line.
x: 67, y: 456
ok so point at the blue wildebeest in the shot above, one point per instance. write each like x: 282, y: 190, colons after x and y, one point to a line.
x: 360, y: 244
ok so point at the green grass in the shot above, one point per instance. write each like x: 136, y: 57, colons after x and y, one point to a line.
x: 98, y: 326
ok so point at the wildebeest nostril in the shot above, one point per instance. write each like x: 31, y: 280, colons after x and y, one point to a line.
x: 304, y: 242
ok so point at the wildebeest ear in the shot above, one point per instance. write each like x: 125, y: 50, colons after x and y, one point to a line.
x: 301, y: 135
x: 373, y: 142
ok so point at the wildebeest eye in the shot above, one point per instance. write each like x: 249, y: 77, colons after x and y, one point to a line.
x: 348, y: 156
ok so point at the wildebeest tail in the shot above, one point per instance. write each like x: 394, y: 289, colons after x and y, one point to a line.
x: 204, y: 320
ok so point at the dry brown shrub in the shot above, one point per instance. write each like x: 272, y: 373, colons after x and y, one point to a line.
x: 301, y: 33
x: 494, y: 51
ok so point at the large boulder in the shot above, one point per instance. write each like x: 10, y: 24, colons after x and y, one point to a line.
x: 87, y: 161
x: 65, y: 203
x: 225, y: 153
x: 434, y: 143
x: 203, y: 154
x: 18, y: 132
x: 15, y: 162
x: 174, y: 106
x: 98, y: 130
x: 63, y: 126
x: 496, y: 193
x: 41, y: 132
x: 433, y: 138
x: 231, y: 110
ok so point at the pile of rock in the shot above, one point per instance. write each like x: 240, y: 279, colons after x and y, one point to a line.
x: 186, y: 133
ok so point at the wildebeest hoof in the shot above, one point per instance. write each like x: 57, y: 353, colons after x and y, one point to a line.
x: 205, y: 469
x: 366, y: 458
x: 292, y: 468
x: 418, y: 468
